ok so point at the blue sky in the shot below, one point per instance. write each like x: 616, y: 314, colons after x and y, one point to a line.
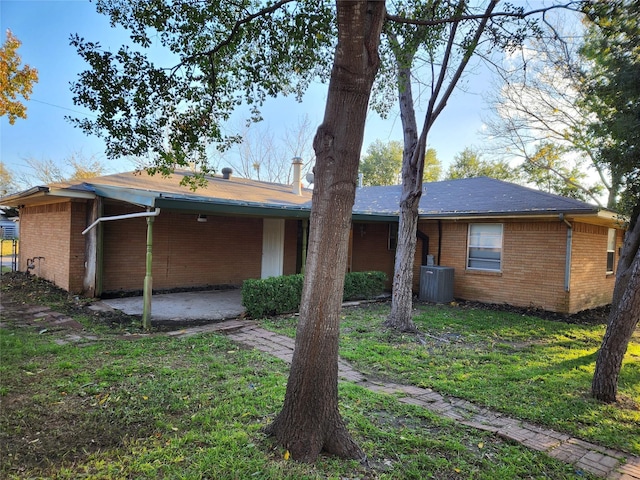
x: 44, y: 28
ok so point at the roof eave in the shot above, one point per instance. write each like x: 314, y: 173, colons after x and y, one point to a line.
x: 230, y: 207
x: 37, y: 194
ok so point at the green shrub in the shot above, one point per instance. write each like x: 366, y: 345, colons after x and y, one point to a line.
x: 272, y: 296
x: 276, y: 295
x: 363, y: 285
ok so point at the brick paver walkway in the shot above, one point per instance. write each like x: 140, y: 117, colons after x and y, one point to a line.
x: 589, y: 457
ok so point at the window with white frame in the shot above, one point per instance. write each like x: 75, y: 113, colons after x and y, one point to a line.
x: 611, y: 249
x: 484, y: 251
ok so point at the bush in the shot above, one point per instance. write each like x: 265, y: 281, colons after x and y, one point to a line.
x: 363, y: 285
x: 277, y: 295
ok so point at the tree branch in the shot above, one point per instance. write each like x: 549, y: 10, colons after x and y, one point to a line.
x: 572, y: 5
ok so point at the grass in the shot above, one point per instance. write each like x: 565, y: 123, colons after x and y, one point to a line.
x: 154, y: 406
x: 533, y: 369
x: 160, y: 407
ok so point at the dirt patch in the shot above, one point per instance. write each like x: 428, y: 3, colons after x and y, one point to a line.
x: 593, y: 316
x: 30, y: 301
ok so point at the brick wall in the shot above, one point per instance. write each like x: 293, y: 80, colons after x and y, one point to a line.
x: 369, y: 249
x: 532, y: 266
x: 186, y: 253
x: 591, y: 286
x: 44, y: 232
x: 228, y: 250
x: 533, y: 263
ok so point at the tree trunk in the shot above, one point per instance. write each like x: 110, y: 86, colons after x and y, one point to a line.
x: 401, y: 315
x: 310, y: 421
x: 625, y: 312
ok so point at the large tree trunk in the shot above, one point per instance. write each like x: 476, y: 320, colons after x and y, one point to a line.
x: 310, y: 421
x: 401, y: 315
x: 623, y: 319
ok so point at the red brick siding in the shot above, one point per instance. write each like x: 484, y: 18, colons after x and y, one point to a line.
x: 77, y: 251
x: 44, y: 232
x: 369, y: 249
x: 532, y: 266
x: 222, y: 251
x: 590, y: 284
x: 290, y: 247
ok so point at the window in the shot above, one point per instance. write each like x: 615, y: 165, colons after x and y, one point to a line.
x: 611, y: 249
x: 485, y: 246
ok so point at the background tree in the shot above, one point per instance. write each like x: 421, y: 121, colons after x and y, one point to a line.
x: 405, y: 40
x: 260, y: 155
x: 14, y: 81
x: 469, y: 164
x: 537, y: 115
x: 547, y: 170
x: 75, y: 167
x: 7, y: 182
x: 381, y: 164
x: 612, y: 94
x: 447, y: 47
x: 432, y: 166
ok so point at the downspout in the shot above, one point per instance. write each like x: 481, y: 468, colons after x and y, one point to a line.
x: 439, y: 240
x: 425, y: 246
x: 147, y: 291
x: 155, y: 213
x: 567, y: 266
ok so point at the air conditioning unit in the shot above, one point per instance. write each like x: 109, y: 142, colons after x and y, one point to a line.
x: 436, y: 284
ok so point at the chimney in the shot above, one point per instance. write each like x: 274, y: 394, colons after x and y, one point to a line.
x: 226, y: 173
x: 297, y: 175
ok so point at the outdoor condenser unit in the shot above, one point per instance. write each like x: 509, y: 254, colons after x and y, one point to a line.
x: 436, y: 284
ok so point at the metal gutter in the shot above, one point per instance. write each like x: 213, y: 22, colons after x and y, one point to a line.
x: 206, y: 206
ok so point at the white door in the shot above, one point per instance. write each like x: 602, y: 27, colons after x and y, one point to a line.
x: 272, y: 247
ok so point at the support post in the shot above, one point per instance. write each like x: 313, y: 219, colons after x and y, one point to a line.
x: 148, y: 278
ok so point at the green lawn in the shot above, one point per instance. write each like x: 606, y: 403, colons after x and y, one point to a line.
x: 147, y: 407
x: 533, y: 369
x: 125, y: 405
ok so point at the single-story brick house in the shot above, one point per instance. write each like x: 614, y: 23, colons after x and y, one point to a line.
x: 507, y: 243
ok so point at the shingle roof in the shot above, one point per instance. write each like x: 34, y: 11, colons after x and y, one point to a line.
x: 234, y: 189
x: 469, y: 196
x: 481, y: 196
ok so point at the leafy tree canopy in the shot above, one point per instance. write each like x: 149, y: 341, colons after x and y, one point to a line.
x: 548, y: 171
x: 222, y: 55
x: 432, y: 166
x: 14, y: 81
x: 382, y: 163
x: 612, y: 91
x: 469, y: 164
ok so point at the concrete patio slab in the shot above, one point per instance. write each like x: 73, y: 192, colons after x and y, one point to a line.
x: 207, y: 305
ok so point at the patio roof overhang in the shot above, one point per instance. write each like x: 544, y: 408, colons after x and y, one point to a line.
x: 200, y: 204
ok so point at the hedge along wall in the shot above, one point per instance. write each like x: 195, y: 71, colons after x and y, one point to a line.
x: 277, y: 295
